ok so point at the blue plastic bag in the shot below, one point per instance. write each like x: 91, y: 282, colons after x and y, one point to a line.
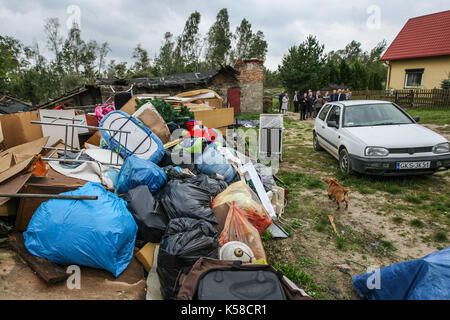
x: 95, y: 233
x: 211, y: 162
x: 423, y: 279
x: 136, y: 172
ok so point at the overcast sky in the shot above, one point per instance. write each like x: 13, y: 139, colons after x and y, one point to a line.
x: 124, y: 24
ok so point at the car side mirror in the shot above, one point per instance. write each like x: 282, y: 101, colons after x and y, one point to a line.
x: 333, y: 124
x: 416, y: 119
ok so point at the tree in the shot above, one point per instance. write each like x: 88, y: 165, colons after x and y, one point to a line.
x: 142, y: 66
x: 54, y: 39
x: 190, y: 43
x: 114, y: 70
x: 164, y: 62
x: 352, y: 52
x: 219, y: 41
x: 72, y: 52
x: 301, y: 68
x: 359, y: 76
x: 271, y: 79
x: 333, y: 72
x: 88, y: 59
x: 103, y: 51
x: 258, y: 48
x: 244, y: 38
x: 345, y: 73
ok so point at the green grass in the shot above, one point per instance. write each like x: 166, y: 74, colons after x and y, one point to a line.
x: 417, y: 223
x: 440, y: 236
x: 294, y: 180
x: 430, y: 116
x: 300, y: 277
x: 413, y: 199
x: 397, y: 220
x: 306, y: 261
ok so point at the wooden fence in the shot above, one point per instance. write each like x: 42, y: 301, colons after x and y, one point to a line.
x: 434, y: 98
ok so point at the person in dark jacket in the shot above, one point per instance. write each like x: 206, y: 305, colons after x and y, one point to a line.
x: 341, y: 95
x: 296, y: 102
x: 318, y: 104
x: 303, y: 106
x: 334, y: 96
x: 280, y: 98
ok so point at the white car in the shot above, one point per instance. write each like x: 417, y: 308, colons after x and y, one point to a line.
x: 379, y: 138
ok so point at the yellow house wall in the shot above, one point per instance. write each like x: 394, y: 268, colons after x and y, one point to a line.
x: 436, y: 69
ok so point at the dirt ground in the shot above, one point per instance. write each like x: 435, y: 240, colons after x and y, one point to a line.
x: 389, y: 220
x: 19, y: 282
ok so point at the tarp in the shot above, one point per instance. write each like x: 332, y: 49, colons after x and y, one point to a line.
x: 98, y: 234
x: 427, y: 278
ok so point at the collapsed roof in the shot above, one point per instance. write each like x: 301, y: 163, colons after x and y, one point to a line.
x: 175, y: 80
x: 9, y: 105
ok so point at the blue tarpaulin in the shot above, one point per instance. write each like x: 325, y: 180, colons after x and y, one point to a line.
x: 427, y: 278
x: 95, y: 233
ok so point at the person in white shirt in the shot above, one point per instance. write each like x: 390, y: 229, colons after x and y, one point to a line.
x: 285, y: 105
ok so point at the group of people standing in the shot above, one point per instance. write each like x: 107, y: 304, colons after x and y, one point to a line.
x: 310, y: 104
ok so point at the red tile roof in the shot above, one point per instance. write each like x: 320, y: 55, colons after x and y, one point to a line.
x: 424, y: 36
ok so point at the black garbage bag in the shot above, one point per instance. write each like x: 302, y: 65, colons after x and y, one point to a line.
x: 186, y: 200
x: 185, y: 241
x: 178, y: 158
x: 148, y: 214
x: 212, y: 185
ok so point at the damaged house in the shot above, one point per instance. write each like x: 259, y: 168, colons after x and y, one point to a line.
x: 240, y: 87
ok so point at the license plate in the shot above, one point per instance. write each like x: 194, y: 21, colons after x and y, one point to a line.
x: 413, y: 165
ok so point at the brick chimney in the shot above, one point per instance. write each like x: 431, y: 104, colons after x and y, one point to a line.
x: 251, y: 82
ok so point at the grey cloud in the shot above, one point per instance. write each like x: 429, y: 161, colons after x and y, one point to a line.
x: 124, y: 24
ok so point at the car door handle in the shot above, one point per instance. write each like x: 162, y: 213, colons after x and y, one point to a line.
x: 323, y: 127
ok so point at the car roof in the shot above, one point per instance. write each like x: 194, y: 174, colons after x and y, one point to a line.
x: 349, y: 103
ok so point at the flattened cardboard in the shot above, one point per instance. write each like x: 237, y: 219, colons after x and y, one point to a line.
x: 13, y: 186
x: 25, y: 154
x: 17, y: 128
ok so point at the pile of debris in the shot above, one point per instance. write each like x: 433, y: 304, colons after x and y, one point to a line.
x: 153, y: 181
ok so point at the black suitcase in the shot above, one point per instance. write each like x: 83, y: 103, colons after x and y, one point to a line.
x: 240, y: 285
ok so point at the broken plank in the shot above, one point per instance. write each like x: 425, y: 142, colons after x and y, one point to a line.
x: 49, y: 271
x: 332, y: 222
x: 172, y: 143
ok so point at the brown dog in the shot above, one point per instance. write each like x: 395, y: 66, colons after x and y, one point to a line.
x: 339, y: 193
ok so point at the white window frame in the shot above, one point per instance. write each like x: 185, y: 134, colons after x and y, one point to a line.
x: 413, y: 71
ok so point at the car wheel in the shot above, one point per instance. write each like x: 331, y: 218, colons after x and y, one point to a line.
x: 316, y: 144
x: 344, y: 162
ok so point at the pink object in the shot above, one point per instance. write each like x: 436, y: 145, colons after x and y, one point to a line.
x: 102, y: 110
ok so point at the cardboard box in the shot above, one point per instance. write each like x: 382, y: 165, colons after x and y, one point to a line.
x: 215, y: 119
x: 145, y: 255
x: 17, y: 128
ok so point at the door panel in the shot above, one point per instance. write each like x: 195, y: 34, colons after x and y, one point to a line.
x: 234, y: 99
x: 320, y: 123
x: 331, y: 135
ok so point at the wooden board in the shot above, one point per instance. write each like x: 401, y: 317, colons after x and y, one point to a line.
x: 218, y: 118
x: 13, y: 185
x: 49, y: 271
x: 53, y: 183
x: 17, y: 128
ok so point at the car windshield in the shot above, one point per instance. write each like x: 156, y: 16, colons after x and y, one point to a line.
x: 382, y: 114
